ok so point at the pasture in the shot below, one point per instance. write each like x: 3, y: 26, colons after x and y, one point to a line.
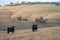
x: 47, y: 31
x: 9, y: 14
x: 51, y: 33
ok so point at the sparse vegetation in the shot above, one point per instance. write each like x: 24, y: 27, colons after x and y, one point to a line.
x: 25, y: 19
x: 41, y: 20
x: 19, y: 18
x: 22, y: 19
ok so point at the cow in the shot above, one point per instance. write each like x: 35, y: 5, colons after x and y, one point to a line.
x: 10, y: 29
x: 34, y: 27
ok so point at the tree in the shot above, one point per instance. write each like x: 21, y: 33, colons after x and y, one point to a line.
x: 0, y: 5
x: 23, y: 2
x: 7, y: 5
x: 57, y: 3
x: 17, y: 3
x: 11, y: 3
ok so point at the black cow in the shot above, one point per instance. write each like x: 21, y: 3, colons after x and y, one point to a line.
x: 34, y: 27
x: 10, y: 29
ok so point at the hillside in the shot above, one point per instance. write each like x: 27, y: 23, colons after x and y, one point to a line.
x: 32, y: 11
x: 54, y: 16
x: 51, y: 33
x: 9, y: 14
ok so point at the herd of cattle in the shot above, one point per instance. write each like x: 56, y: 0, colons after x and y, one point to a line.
x: 12, y: 29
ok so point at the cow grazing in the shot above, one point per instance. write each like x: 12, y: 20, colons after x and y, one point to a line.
x: 34, y: 27
x: 10, y: 29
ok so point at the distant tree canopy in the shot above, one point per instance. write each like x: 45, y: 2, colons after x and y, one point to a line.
x: 16, y: 4
x: 23, y: 3
x: 11, y: 3
x: 57, y: 4
x: 0, y: 5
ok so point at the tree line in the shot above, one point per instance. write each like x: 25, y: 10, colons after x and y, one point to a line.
x: 31, y: 3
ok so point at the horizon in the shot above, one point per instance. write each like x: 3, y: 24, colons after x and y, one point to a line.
x: 4, y: 2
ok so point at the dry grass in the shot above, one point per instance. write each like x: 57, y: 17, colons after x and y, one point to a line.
x: 31, y: 11
x: 52, y: 33
x: 54, y: 16
x: 50, y: 12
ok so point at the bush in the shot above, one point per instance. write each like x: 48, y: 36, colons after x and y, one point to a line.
x: 25, y: 19
x: 19, y: 18
x: 41, y: 20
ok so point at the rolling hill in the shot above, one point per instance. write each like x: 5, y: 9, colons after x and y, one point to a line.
x: 48, y: 31
x: 32, y: 11
x: 9, y: 14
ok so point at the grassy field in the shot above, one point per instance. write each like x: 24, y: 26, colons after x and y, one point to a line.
x: 9, y: 14
x: 52, y: 33
x: 32, y: 11
x: 48, y: 31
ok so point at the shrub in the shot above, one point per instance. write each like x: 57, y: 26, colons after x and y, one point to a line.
x: 19, y: 18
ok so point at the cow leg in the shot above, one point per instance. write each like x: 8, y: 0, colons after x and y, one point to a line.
x: 12, y: 31
x: 36, y: 29
x: 8, y: 31
x: 33, y: 30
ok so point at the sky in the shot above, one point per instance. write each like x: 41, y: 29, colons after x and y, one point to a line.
x: 2, y: 2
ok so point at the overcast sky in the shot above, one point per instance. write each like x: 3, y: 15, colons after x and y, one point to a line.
x: 2, y: 2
